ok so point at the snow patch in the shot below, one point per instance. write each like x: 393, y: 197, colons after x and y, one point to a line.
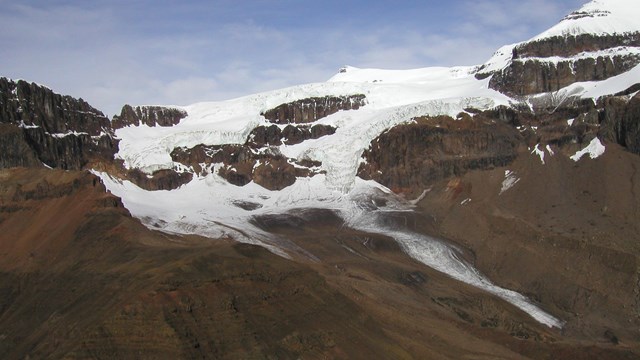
x: 63, y: 135
x: 419, y: 198
x: 539, y: 152
x: 22, y: 125
x: 549, y: 150
x: 594, y: 149
x: 510, y: 179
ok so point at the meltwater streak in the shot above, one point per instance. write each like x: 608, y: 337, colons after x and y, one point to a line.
x: 442, y: 257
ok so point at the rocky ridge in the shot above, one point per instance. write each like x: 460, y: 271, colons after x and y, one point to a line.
x: 313, y: 109
x: 148, y: 115
x: 41, y: 127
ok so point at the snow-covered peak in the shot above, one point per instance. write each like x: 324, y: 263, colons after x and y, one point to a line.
x: 598, y: 17
x: 500, y: 59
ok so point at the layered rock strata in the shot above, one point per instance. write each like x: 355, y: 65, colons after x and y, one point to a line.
x: 42, y: 127
x: 313, y: 109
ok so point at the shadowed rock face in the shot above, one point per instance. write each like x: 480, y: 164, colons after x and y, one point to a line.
x: 292, y: 134
x: 407, y: 158
x: 531, y: 72
x: 619, y: 119
x: 410, y: 158
x: 573, y: 45
x: 148, y: 115
x: 160, y: 180
x: 57, y: 130
x: 36, y: 105
x: 313, y: 109
x: 15, y: 149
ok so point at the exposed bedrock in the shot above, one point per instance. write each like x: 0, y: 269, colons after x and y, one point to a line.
x: 408, y: 158
x: 573, y: 45
x: 165, y: 179
x: 239, y: 164
x: 613, y: 119
x: 272, y: 135
x: 550, y: 64
x: 148, y: 115
x: 620, y: 121
x: 533, y: 76
x: 313, y: 109
x: 15, y: 150
x: 57, y: 130
x: 36, y: 105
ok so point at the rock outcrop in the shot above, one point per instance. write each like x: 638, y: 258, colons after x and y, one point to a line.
x: 619, y: 121
x: 14, y: 148
x: 57, y: 130
x: 553, y: 63
x: 313, y: 109
x: 166, y: 179
x: 408, y: 158
x: 148, y: 115
x: 532, y: 76
x: 567, y: 46
x: 291, y: 134
x: 240, y: 164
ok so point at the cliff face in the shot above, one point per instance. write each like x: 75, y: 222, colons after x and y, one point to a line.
x: 550, y: 64
x: 241, y: 164
x: 532, y: 76
x: 619, y: 119
x: 290, y: 135
x: 148, y: 115
x: 408, y: 158
x: 312, y: 109
x: 40, y: 126
x: 567, y: 46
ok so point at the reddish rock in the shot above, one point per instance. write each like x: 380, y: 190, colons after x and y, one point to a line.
x: 263, y: 136
x: 408, y: 158
x: 159, y: 180
x: 275, y: 174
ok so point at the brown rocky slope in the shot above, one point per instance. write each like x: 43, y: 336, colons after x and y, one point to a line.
x: 82, y: 279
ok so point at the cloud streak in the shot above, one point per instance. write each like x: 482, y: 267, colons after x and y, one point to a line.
x: 156, y: 52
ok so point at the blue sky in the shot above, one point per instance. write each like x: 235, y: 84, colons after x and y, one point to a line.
x: 169, y: 52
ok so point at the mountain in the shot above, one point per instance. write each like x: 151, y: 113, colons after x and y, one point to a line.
x: 481, y: 211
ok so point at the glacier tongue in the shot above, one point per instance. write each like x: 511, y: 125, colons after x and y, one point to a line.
x: 430, y: 251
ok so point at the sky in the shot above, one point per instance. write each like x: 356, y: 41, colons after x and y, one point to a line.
x: 145, y: 52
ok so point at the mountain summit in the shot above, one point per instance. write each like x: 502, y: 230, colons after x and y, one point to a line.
x: 499, y: 201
